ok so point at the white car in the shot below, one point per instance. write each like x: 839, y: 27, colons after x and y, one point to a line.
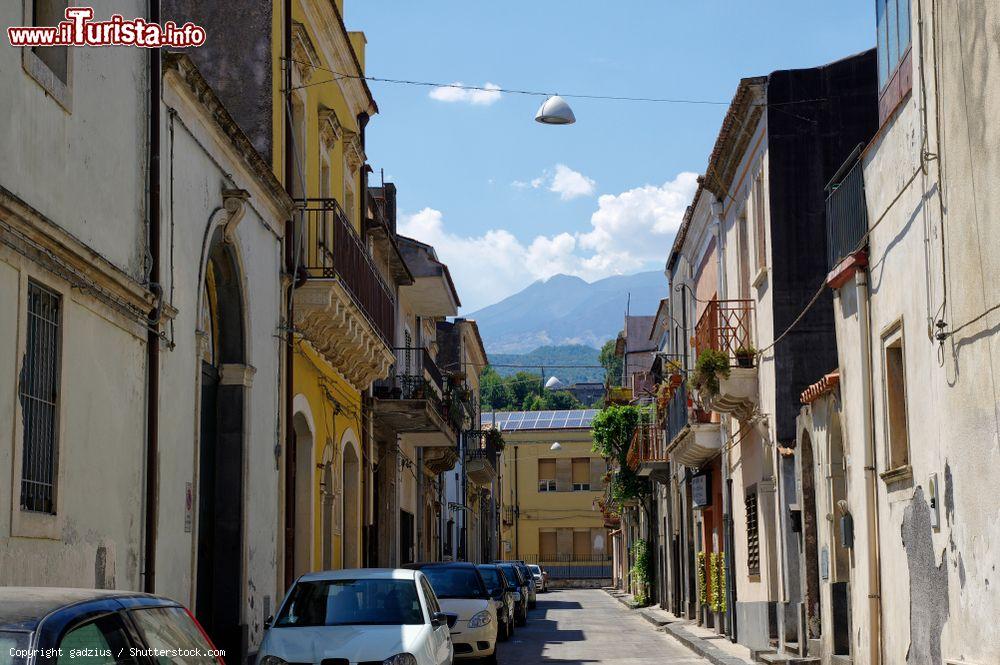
x: 385, y: 616
x: 540, y: 576
x: 462, y: 591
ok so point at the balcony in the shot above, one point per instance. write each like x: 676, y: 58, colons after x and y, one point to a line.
x: 412, y: 401
x: 688, y: 441
x: 648, y: 454
x: 726, y: 326
x: 846, y: 221
x: 482, y: 459
x: 618, y: 395
x: 344, y: 309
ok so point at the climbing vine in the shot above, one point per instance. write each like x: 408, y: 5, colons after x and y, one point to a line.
x: 613, y: 428
x: 640, y: 571
x: 702, y: 579
x: 718, y: 568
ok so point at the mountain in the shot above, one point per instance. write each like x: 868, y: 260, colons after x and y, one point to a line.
x: 565, y: 310
x: 548, y: 357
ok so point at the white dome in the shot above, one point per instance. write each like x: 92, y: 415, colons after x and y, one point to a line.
x: 553, y: 383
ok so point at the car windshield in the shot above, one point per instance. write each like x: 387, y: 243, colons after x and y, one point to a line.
x: 511, y: 575
x: 449, y: 582
x: 381, y: 602
x: 492, y: 578
x: 535, y: 570
x: 13, y: 648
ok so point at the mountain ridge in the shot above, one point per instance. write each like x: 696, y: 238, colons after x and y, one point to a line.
x: 565, y: 310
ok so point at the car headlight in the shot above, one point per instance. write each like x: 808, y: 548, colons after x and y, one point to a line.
x: 400, y: 659
x: 481, y: 619
x: 272, y: 660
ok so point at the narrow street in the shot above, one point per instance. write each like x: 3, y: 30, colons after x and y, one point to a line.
x: 577, y: 626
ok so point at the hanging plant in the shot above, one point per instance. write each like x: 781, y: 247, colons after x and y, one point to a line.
x: 702, y: 584
x: 710, y: 366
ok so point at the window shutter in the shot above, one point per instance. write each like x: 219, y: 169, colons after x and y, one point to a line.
x: 546, y: 469
x: 598, y: 467
x: 581, y: 545
x: 564, y: 475
x: 547, y: 545
x: 581, y: 470
x: 564, y: 544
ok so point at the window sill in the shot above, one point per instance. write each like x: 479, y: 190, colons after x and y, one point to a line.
x: 27, y: 524
x: 897, y: 474
x: 759, y: 278
x: 61, y: 92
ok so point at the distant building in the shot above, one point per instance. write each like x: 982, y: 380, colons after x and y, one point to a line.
x: 586, y: 392
x: 637, y: 351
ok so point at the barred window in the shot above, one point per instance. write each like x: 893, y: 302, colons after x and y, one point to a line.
x: 38, y: 392
x: 753, y: 540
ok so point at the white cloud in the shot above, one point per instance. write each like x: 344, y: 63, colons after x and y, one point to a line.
x: 565, y: 182
x: 454, y: 93
x: 628, y: 232
x: 569, y: 184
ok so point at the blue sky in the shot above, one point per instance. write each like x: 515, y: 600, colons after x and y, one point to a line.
x: 506, y: 200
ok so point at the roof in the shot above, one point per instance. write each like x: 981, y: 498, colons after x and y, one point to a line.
x: 826, y: 385
x: 26, y: 606
x: 660, y: 320
x: 637, y: 333
x: 510, y: 421
x: 422, y: 261
x: 361, y: 574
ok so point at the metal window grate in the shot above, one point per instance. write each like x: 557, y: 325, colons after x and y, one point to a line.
x: 38, y: 394
x: 753, y: 540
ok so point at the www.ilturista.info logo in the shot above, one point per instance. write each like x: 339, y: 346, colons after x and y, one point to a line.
x: 80, y: 30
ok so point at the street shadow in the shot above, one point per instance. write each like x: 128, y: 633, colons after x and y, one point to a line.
x: 529, y: 642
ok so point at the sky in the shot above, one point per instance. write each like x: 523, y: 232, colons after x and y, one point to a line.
x: 507, y: 201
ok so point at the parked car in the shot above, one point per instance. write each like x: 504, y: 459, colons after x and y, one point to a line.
x: 514, y: 577
x: 461, y: 590
x: 503, y: 595
x: 381, y: 615
x: 34, y: 620
x: 532, y: 588
x: 541, y: 577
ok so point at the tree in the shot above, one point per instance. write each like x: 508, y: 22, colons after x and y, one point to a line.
x: 494, y: 391
x: 613, y: 429
x: 561, y: 399
x: 612, y: 364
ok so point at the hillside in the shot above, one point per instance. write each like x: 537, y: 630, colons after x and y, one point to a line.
x: 549, y: 356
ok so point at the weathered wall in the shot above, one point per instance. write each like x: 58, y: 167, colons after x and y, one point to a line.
x: 81, y: 165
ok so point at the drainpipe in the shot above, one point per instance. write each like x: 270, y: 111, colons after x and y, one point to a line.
x: 871, y: 478
x: 152, y: 337
x: 290, y: 267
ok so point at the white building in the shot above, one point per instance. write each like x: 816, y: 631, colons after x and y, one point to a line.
x: 917, y: 287
x: 74, y: 302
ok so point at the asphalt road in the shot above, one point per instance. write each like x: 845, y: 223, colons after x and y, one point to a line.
x: 578, y: 626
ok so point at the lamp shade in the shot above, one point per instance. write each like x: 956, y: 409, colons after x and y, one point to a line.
x: 555, y: 111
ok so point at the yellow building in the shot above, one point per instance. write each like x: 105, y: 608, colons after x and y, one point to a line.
x: 550, y: 492
x: 343, y: 304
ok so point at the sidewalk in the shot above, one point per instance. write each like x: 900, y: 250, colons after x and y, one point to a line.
x: 706, y: 643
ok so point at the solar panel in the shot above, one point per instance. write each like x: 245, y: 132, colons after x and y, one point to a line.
x: 535, y: 420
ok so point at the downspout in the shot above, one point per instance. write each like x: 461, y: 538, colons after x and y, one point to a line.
x: 290, y: 267
x: 871, y: 478
x: 152, y: 336
x: 517, y: 511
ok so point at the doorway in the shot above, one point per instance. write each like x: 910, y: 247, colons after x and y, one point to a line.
x: 219, y: 570
x: 352, y: 508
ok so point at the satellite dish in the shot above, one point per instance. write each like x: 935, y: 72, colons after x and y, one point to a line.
x: 553, y: 383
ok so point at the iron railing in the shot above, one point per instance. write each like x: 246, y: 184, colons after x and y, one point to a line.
x: 332, y: 249
x: 38, y: 393
x: 569, y: 566
x: 677, y: 413
x: 846, y: 211
x: 414, y: 375
x: 482, y: 446
x: 726, y: 326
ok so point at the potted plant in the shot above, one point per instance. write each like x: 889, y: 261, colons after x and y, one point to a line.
x: 745, y: 356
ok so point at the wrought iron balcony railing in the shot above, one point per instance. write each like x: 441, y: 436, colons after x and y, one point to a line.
x: 677, y: 413
x: 846, y: 211
x: 726, y: 326
x: 332, y: 249
x: 414, y: 375
x: 483, y: 445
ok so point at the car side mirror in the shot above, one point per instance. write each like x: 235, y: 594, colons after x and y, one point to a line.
x: 268, y: 622
x: 438, y: 619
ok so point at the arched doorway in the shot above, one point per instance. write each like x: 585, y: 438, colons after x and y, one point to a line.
x: 303, y: 492
x: 219, y: 575
x: 810, y: 538
x: 351, y: 485
x: 840, y: 575
x: 330, y: 518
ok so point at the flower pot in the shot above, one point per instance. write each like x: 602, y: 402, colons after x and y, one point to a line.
x: 675, y: 381
x: 744, y: 361
x: 702, y: 416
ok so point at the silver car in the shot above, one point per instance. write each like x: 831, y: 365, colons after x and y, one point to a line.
x: 541, y: 578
